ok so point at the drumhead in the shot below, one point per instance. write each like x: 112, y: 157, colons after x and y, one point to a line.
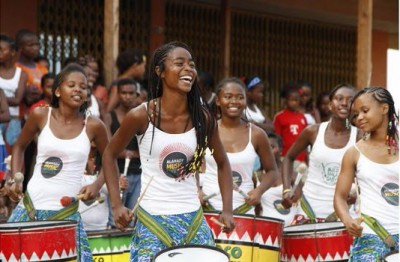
x: 192, y: 253
x: 34, y: 224
x: 392, y: 257
x: 315, y: 227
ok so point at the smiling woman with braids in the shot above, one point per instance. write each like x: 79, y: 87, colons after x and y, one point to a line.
x: 374, y: 162
x: 173, y: 128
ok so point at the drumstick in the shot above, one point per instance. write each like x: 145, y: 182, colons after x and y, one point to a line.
x: 141, y: 196
x: 66, y: 200
x: 216, y: 221
x: 127, y: 162
x: 205, y: 198
x: 301, y: 176
x: 236, y: 188
x: 99, y: 200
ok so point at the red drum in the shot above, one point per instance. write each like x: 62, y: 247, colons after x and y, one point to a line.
x: 327, y: 241
x: 38, y: 241
x: 267, y: 239
x: 239, y: 243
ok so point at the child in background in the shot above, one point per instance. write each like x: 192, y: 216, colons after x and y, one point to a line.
x: 272, y: 198
x: 323, y: 106
x: 374, y: 163
x: 47, y: 85
x: 307, y: 106
x: 12, y: 82
x: 289, y: 122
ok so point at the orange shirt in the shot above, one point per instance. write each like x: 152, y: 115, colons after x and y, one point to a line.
x: 34, y: 75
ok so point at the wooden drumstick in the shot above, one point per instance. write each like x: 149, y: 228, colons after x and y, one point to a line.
x: 127, y: 162
x: 99, y: 200
x: 216, y: 221
x: 205, y: 198
x: 236, y: 188
x: 141, y: 196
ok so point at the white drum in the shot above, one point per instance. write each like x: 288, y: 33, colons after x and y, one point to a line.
x: 192, y: 253
x: 392, y: 257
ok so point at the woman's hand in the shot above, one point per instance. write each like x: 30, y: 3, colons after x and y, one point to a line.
x: 227, y: 219
x: 122, y: 217
x: 354, y: 227
x: 254, y: 197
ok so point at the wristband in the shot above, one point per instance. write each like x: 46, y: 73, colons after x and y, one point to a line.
x: 288, y: 190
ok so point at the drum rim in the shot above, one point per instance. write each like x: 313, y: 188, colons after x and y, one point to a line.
x: 38, y: 224
x: 191, y: 246
x: 270, y: 218
x: 285, y: 230
x: 109, y: 232
x: 234, y: 215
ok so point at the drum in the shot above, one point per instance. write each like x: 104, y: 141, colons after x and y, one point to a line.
x: 267, y: 239
x: 110, y: 245
x: 392, y: 257
x: 38, y: 241
x: 316, y: 242
x: 239, y: 243
x: 192, y: 253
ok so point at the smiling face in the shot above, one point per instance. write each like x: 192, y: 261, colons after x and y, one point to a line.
x: 73, y: 91
x: 340, y: 103
x: 368, y: 114
x: 232, y: 100
x: 179, y: 71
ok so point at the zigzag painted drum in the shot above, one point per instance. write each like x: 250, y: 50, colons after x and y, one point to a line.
x: 327, y: 241
x: 267, y: 239
x: 253, y: 239
x: 38, y: 241
x: 110, y: 245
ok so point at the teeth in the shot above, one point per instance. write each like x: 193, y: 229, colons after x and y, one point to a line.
x: 186, y: 78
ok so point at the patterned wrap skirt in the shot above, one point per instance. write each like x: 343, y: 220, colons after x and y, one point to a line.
x: 370, y: 248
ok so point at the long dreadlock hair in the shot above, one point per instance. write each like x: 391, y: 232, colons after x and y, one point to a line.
x: 203, y: 121
x: 382, y: 96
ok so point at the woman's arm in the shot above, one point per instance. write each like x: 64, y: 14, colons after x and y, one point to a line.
x: 133, y: 123
x: 306, y: 138
x: 224, y: 179
x: 270, y: 174
x: 343, y: 186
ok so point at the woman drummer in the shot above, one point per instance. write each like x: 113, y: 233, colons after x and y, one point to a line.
x: 64, y: 135
x: 243, y: 142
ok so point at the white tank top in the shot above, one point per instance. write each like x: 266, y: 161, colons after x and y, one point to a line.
x: 271, y: 201
x: 10, y: 87
x: 242, y: 171
x: 166, y: 195
x: 60, y: 165
x: 379, y: 193
x: 323, y: 171
x: 94, y: 108
x: 255, y: 116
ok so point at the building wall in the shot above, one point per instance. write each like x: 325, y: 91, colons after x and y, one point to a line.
x: 13, y: 19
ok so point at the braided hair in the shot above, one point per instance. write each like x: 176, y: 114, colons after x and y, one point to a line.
x: 202, y: 119
x: 382, y: 96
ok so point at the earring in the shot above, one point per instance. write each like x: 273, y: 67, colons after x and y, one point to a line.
x: 347, y: 123
x: 57, y: 95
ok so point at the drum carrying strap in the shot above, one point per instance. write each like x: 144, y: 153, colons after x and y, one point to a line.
x: 307, y: 208
x: 242, y: 209
x: 379, y: 230
x: 162, y: 234
x: 60, y: 215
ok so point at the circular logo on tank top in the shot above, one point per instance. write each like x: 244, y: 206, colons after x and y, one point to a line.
x: 51, y: 167
x: 390, y: 192
x: 237, y: 178
x: 330, y: 173
x: 281, y: 210
x: 172, y: 164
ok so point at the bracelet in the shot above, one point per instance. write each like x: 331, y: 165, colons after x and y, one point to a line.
x: 288, y: 190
